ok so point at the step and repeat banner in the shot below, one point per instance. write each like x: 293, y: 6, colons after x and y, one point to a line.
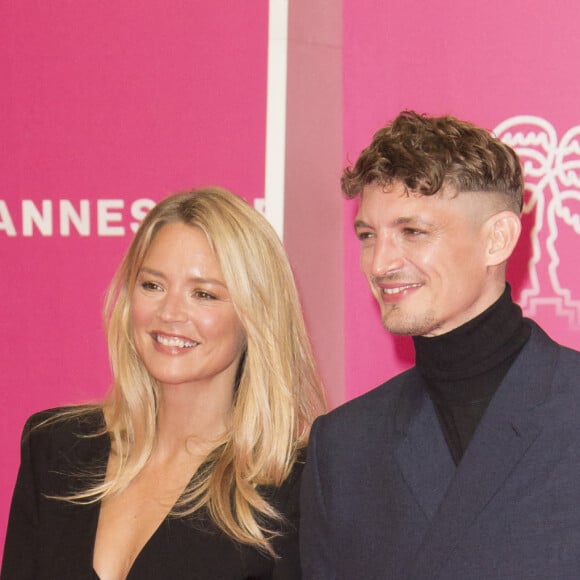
x: 105, y: 108
x: 507, y: 66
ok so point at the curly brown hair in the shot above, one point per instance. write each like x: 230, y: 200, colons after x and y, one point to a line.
x: 429, y: 153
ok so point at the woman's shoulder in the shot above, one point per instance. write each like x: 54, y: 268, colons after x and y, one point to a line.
x: 297, y: 467
x: 62, y: 445
x: 285, y: 496
x: 62, y: 426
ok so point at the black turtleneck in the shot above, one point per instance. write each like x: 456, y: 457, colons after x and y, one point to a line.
x: 463, y: 368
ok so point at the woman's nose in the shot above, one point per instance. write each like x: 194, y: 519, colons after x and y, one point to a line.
x: 173, y: 308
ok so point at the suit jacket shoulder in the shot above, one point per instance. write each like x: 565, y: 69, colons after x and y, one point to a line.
x: 376, y: 415
x: 64, y: 446
x: 61, y: 451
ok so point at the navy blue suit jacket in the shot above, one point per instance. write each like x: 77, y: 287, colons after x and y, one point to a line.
x: 383, y: 499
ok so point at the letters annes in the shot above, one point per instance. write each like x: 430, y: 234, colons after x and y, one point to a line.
x: 101, y: 217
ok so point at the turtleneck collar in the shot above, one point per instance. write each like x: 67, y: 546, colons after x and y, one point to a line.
x: 476, y: 347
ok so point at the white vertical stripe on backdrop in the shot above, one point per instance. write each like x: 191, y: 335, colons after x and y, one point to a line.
x: 276, y: 114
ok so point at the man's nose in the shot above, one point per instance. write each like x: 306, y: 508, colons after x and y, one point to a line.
x: 386, y: 257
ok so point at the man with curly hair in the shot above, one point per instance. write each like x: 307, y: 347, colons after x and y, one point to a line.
x: 466, y: 466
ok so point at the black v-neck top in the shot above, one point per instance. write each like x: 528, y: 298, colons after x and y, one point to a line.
x: 463, y: 368
x: 51, y: 539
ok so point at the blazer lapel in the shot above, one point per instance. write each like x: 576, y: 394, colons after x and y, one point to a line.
x: 423, y: 456
x: 505, y: 433
x: 78, y: 534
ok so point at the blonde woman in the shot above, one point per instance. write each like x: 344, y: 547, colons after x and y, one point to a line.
x: 191, y: 467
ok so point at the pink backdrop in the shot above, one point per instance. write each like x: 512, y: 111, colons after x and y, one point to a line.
x: 121, y: 101
x: 107, y: 104
x: 486, y: 62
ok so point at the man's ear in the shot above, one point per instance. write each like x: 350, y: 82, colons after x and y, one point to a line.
x: 503, y: 230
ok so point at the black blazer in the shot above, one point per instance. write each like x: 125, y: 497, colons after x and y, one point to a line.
x: 50, y: 539
x: 383, y: 499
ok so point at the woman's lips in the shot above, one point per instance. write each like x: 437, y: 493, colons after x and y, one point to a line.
x: 173, y: 341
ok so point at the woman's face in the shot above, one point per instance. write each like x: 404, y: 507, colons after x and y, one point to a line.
x: 185, y: 328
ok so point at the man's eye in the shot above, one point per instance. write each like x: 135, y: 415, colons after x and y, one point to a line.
x: 412, y: 232
x: 362, y: 236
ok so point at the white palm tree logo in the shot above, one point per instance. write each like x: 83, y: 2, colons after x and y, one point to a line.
x: 552, y: 174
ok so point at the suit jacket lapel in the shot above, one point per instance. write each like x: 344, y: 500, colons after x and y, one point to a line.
x: 504, y: 435
x: 423, y: 456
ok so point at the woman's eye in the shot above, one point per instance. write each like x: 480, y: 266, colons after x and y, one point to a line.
x: 147, y: 285
x: 204, y: 295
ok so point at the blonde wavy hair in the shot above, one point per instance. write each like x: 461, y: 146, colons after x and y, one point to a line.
x: 278, y: 392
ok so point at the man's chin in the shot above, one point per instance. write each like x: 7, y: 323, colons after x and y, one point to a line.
x: 406, y: 327
x: 395, y: 326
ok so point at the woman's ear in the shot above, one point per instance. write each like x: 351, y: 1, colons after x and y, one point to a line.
x: 504, y: 230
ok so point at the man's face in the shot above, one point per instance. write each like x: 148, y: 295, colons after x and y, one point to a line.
x: 425, y: 257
